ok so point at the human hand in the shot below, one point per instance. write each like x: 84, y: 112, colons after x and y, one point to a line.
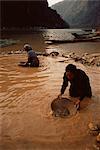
x: 77, y: 104
x: 60, y: 96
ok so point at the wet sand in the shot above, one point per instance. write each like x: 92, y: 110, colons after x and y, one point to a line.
x: 25, y: 105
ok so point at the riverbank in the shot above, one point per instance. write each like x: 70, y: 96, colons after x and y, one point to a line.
x: 86, y: 59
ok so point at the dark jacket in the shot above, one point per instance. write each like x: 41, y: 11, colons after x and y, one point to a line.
x: 32, y: 59
x: 79, y: 86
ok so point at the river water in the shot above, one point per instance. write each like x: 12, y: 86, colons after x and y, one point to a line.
x: 37, y: 40
x: 26, y: 95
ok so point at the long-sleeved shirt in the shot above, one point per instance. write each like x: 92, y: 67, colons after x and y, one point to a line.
x: 31, y: 55
x: 32, y: 58
x: 79, y: 85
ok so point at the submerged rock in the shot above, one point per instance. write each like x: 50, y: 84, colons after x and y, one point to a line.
x: 96, y: 147
x: 54, y: 53
x: 93, y: 133
x: 93, y: 127
x: 94, y: 130
x: 98, y: 138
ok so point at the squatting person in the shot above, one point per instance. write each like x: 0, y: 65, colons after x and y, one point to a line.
x: 33, y: 60
x: 79, y: 84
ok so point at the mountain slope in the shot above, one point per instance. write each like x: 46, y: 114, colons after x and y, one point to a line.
x: 29, y: 14
x: 80, y: 13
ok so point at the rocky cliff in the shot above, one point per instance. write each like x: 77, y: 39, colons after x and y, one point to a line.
x: 29, y: 14
x: 80, y: 13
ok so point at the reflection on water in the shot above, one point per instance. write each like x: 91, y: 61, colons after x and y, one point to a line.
x: 37, y: 40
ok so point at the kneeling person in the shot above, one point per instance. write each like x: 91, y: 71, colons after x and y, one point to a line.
x: 33, y: 60
x: 79, y: 83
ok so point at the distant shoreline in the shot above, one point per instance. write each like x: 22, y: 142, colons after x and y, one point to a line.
x: 28, y: 29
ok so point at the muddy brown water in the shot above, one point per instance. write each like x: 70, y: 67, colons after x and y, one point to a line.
x: 25, y: 105
x: 26, y: 94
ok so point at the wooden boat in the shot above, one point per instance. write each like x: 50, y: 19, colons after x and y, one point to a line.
x: 53, y: 41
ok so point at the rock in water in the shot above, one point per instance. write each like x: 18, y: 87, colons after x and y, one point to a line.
x: 59, y: 107
x: 54, y: 54
x: 93, y: 127
x: 98, y: 138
